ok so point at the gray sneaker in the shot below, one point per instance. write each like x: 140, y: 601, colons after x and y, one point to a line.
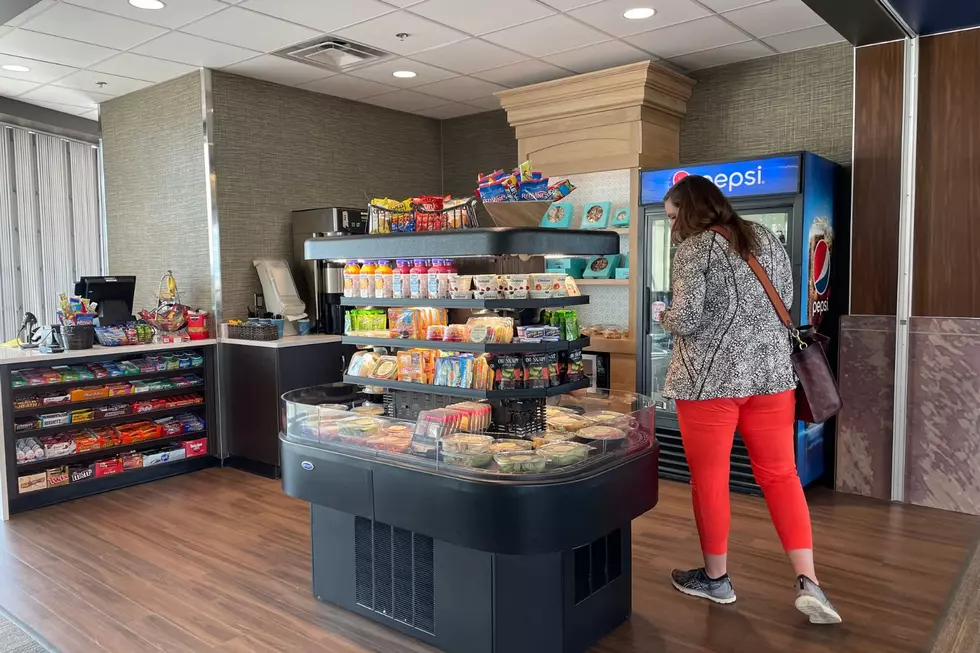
x: 696, y: 583
x: 811, y: 601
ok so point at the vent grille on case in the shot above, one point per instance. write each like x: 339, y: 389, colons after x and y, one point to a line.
x: 597, y: 564
x: 393, y: 573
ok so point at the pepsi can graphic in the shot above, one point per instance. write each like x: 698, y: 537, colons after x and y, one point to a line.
x: 821, y: 244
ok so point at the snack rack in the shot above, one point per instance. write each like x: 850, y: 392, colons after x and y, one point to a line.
x: 163, y: 398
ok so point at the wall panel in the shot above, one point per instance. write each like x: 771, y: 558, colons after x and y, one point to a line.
x: 878, y: 80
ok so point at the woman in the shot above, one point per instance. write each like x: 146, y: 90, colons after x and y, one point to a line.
x: 731, y: 368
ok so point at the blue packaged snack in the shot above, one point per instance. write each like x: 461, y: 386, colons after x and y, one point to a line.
x: 493, y: 193
x: 535, y: 190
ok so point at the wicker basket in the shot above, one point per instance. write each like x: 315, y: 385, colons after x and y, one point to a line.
x: 263, y: 332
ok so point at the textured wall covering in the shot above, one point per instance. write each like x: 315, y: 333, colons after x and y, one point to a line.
x: 278, y: 149
x: 473, y: 144
x: 155, y: 189
x: 864, y: 427
x: 796, y: 101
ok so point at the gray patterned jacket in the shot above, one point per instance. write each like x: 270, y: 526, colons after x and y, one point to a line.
x: 729, y: 341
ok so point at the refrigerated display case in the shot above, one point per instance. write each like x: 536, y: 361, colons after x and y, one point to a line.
x: 794, y: 196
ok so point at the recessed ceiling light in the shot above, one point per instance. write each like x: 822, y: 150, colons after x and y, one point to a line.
x: 633, y: 14
x: 147, y: 4
x: 403, y: 73
x: 14, y: 68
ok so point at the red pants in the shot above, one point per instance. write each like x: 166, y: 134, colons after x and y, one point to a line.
x: 765, y: 423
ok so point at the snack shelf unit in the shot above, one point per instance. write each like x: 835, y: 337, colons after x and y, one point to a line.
x: 18, y: 502
x: 472, y: 561
x: 491, y: 304
x: 500, y: 348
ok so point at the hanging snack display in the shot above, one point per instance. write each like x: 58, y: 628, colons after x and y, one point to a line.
x: 425, y: 213
x: 520, y: 185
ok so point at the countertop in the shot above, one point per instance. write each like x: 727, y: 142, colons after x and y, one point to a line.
x: 287, y: 341
x: 12, y: 356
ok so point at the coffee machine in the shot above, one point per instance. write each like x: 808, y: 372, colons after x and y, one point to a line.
x: 321, y: 283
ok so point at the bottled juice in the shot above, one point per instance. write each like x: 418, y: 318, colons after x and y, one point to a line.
x: 400, y: 286
x: 352, y: 279
x: 367, y: 279
x: 418, y: 279
x: 448, y: 270
x: 382, y: 280
x: 435, y: 272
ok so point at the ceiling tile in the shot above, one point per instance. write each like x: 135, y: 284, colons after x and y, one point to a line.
x: 685, y: 38
x: 722, y: 56
x: 323, y: 15
x: 382, y: 72
x: 63, y: 108
x: 137, y: 66
x: 448, y: 111
x: 608, y: 16
x: 173, y: 15
x: 460, y: 88
x: 598, y: 57
x: 422, y: 33
x: 405, y: 101
x: 35, y: 10
x: 69, y: 96
x: 728, y: 5
x: 345, y: 86
x: 276, y: 69
x: 810, y: 37
x: 40, y: 71
x: 248, y: 29
x: 33, y: 45
x: 194, y: 51
x: 565, y: 5
x: 490, y: 103
x: 81, y: 24
x: 524, y: 73
x: 88, y: 80
x: 547, y: 36
x: 481, y: 17
x: 774, y: 17
x: 469, y: 56
x: 14, y: 87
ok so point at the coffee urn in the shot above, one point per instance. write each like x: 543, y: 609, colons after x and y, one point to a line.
x: 321, y: 283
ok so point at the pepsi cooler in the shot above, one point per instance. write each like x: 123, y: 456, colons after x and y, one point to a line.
x: 794, y: 195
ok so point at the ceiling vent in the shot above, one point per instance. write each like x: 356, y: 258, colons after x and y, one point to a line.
x: 334, y: 54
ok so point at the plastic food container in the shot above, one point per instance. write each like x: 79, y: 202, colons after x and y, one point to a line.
x: 563, y: 454
x: 485, y: 282
x: 500, y: 446
x: 515, y: 294
x: 460, y: 282
x: 467, y: 459
x: 486, y: 294
x: 469, y: 443
x: 353, y: 430
x: 560, y: 287
x: 567, y: 423
x: 609, y: 418
x: 515, y: 282
x: 548, y: 437
x: 604, y: 437
x: 517, y: 462
x: 395, y: 443
x: 540, y: 294
x: 461, y: 294
x: 368, y: 408
x: 542, y: 282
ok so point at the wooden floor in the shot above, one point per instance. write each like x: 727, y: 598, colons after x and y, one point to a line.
x: 218, y: 560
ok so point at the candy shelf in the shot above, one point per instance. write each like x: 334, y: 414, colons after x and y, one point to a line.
x: 109, y: 421
x: 493, y: 304
x: 87, y: 456
x: 146, y: 376
x: 118, y: 399
x: 500, y: 348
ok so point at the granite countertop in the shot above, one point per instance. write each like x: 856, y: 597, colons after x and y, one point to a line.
x: 15, y: 355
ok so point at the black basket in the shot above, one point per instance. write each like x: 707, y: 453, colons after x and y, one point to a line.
x: 78, y: 336
x: 264, y: 332
x: 384, y: 220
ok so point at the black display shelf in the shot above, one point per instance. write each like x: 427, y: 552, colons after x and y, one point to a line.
x: 74, y: 459
x: 50, y: 496
x: 498, y: 241
x: 494, y: 304
x: 109, y: 421
x: 514, y: 347
x: 136, y: 396
x: 469, y: 393
x: 106, y: 380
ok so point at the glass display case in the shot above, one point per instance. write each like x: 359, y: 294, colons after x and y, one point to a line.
x: 587, y: 431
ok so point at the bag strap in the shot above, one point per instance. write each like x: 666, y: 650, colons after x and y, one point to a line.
x: 760, y: 272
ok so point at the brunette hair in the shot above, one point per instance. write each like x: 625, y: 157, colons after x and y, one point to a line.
x: 700, y: 206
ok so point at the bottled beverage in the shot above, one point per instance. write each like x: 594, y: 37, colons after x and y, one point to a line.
x: 400, y: 286
x: 448, y: 270
x: 382, y: 280
x: 418, y: 279
x: 435, y: 272
x: 352, y: 279
x: 367, y: 279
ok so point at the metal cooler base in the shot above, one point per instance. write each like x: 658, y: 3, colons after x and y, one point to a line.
x: 462, y: 600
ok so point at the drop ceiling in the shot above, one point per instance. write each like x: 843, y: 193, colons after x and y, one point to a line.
x: 84, y: 52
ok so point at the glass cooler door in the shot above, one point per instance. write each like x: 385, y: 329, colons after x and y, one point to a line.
x: 658, y: 343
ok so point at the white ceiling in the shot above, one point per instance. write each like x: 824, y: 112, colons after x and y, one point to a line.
x: 463, y: 50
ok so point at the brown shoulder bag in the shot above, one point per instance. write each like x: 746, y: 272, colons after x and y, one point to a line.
x: 817, y: 395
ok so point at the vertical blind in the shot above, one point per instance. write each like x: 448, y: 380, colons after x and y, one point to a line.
x: 50, y: 223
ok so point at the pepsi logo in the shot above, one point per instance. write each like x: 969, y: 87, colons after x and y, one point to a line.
x: 820, y: 266
x: 680, y: 174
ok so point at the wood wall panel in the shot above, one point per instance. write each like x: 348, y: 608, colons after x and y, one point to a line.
x: 946, y: 270
x: 878, y: 83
